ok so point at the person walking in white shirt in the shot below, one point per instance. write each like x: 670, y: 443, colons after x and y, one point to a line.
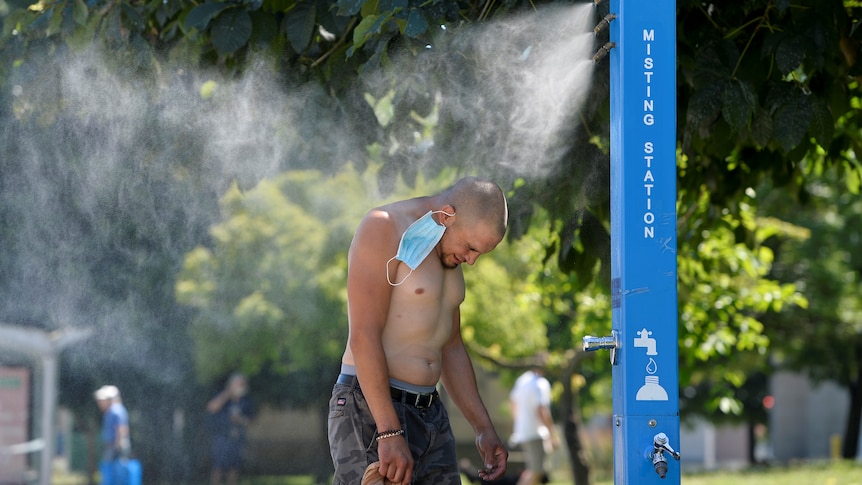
x: 530, y: 401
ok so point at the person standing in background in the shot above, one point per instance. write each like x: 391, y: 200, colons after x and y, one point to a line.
x: 116, y: 442
x: 229, y: 414
x: 530, y: 401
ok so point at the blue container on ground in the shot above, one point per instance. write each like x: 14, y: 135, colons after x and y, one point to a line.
x: 120, y: 472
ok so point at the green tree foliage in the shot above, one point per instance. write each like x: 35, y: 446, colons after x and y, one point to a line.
x: 763, y: 85
x: 505, y: 311
x: 726, y: 293
x: 269, y: 291
x: 825, y: 341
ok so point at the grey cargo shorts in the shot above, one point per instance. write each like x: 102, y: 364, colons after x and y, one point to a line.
x: 353, y: 446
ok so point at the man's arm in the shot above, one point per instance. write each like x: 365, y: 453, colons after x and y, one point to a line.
x: 368, y: 295
x: 460, y: 382
x: 217, y: 403
x: 121, y: 434
x: 547, y: 420
x: 544, y: 411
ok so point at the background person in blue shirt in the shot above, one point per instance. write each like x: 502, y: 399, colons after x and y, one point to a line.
x: 115, y: 424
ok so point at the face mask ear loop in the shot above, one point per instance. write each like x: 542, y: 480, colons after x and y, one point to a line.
x: 387, y: 274
x: 443, y: 212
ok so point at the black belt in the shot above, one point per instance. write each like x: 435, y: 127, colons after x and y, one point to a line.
x: 415, y: 399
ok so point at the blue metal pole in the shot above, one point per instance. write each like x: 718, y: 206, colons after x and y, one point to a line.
x: 643, y: 241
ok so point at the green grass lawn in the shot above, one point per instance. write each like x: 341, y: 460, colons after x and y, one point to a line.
x: 825, y: 473
x: 821, y: 473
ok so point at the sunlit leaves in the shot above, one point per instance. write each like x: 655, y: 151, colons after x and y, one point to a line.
x: 506, y: 310
x: 269, y: 291
x: 369, y: 26
x: 822, y: 339
x: 263, y: 290
x: 725, y: 292
x: 504, y: 314
x: 383, y: 108
x: 853, y: 177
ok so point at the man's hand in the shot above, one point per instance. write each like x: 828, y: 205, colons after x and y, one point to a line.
x: 494, y: 456
x: 555, y: 441
x: 396, y: 462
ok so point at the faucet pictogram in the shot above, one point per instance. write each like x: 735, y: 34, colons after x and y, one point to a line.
x: 644, y: 340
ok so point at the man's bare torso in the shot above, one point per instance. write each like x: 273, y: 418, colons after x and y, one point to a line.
x: 421, y: 310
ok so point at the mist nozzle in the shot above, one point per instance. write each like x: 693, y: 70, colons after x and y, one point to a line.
x: 603, y: 51
x: 604, y: 23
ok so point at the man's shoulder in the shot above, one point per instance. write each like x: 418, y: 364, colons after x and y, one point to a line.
x: 118, y: 412
x: 376, y: 216
x: 377, y: 222
x: 375, y: 231
x: 523, y: 384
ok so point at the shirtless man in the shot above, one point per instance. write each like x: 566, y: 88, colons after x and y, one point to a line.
x: 405, y: 336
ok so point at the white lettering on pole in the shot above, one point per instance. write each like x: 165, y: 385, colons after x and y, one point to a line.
x: 649, y: 147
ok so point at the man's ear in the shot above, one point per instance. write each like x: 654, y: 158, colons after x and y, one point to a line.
x: 447, y: 217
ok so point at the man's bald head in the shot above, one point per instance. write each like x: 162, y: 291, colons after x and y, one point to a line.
x: 478, y: 201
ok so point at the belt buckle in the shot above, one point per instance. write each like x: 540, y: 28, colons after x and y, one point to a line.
x: 419, y: 402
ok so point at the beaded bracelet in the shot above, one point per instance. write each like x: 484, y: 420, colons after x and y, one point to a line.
x: 389, y: 434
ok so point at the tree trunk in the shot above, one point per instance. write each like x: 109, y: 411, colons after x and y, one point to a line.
x: 577, y: 453
x: 850, y: 447
x: 570, y: 410
x: 752, y: 441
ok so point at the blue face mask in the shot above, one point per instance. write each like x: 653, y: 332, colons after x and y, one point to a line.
x: 417, y: 242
